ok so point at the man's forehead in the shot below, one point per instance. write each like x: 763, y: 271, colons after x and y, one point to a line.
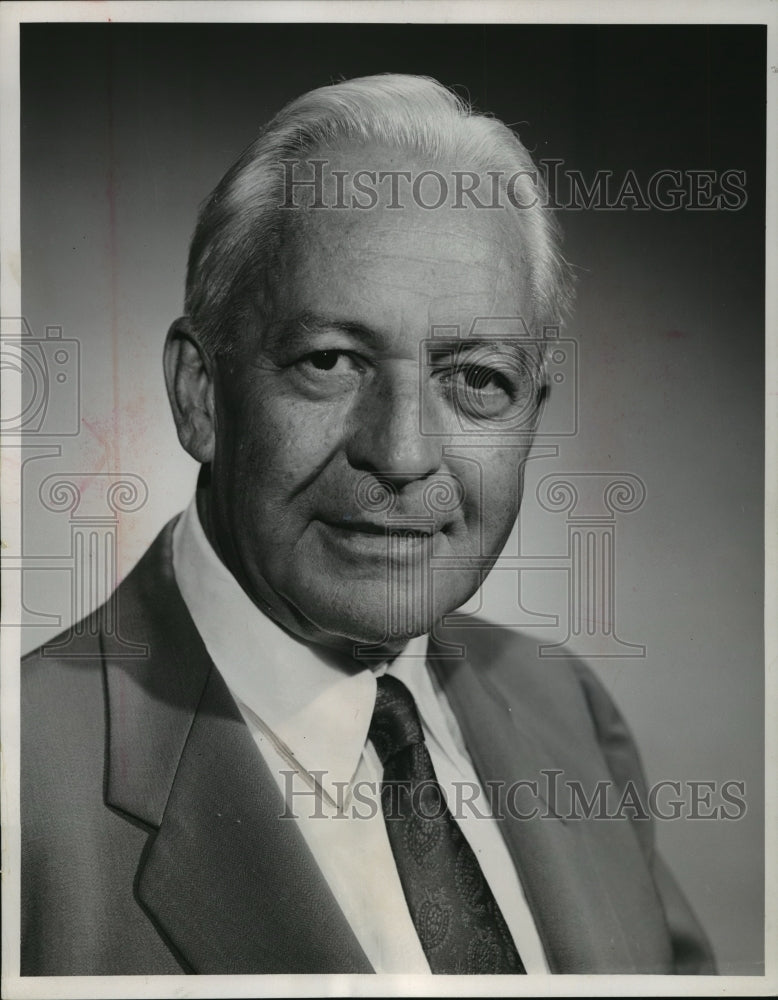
x: 443, y: 238
x: 452, y: 266
x: 394, y: 279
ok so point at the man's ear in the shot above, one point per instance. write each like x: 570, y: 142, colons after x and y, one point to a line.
x: 189, y: 380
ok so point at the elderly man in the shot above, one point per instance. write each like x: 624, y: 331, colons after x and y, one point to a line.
x: 305, y: 771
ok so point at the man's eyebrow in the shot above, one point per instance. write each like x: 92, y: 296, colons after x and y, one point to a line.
x: 295, y: 332
x: 515, y: 346
x: 297, y: 329
x: 465, y: 343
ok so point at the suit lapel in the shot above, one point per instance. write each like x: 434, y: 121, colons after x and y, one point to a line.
x: 586, y: 881
x: 230, y: 886
x: 229, y: 881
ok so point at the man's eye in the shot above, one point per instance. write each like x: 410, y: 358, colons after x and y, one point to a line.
x: 481, y: 379
x: 320, y: 362
x: 324, y: 361
x: 480, y: 390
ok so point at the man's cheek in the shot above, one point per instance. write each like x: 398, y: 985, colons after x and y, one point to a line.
x: 498, y: 510
x: 303, y: 433
x: 491, y: 484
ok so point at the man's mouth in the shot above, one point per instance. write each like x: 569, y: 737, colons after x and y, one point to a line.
x: 371, y: 538
x: 395, y: 528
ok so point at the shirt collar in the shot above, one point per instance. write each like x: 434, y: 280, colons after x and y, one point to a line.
x: 314, y: 707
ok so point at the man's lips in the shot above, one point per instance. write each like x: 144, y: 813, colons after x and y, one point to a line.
x: 401, y: 526
x: 371, y: 539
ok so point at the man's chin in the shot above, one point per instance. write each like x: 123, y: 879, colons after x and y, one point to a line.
x: 373, y: 630
x: 370, y: 620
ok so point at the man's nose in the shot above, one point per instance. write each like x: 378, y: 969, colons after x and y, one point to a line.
x: 395, y: 432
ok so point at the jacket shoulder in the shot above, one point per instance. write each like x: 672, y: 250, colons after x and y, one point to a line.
x: 561, y: 690
x: 60, y: 694
x: 79, y: 915
x: 513, y: 662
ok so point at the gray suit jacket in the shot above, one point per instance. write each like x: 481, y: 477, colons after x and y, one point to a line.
x: 151, y: 835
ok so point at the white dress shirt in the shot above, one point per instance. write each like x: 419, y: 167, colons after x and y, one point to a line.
x: 309, y: 715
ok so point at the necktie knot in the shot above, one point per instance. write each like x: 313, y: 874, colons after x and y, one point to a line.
x: 396, y: 724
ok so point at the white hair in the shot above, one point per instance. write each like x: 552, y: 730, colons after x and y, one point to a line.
x: 241, y: 225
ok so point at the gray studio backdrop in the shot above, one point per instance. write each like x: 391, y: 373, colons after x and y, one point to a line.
x: 125, y: 129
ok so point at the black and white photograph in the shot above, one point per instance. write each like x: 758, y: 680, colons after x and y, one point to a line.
x: 385, y: 532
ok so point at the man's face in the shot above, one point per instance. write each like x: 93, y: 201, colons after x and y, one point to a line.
x: 364, y: 481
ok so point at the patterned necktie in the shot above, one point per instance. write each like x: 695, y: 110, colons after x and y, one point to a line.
x: 455, y: 914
